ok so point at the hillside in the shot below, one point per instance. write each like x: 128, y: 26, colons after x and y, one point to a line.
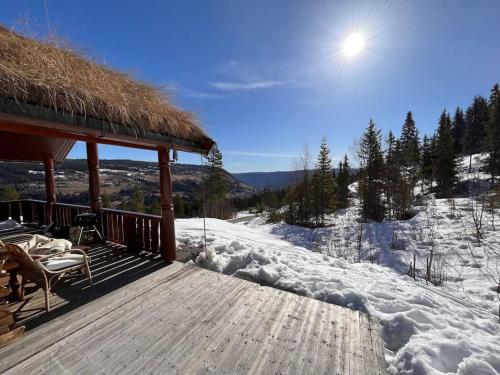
x: 117, y: 176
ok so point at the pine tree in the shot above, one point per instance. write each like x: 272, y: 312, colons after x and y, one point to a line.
x: 372, y: 173
x: 342, y: 183
x: 215, y: 185
x: 410, y: 149
x: 323, y: 184
x: 492, y: 143
x: 476, y: 118
x: 458, y: 126
x: 444, y: 162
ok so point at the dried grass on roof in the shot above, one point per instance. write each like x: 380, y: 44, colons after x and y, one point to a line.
x: 49, y: 75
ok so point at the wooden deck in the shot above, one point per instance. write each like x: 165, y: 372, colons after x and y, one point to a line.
x: 185, y: 320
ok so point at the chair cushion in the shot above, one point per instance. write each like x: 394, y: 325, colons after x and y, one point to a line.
x: 65, y: 261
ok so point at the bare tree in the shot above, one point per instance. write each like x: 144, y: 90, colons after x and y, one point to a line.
x: 478, y: 208
x: 494, y: 205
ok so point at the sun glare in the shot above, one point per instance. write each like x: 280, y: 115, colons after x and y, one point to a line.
x: 353, y: 44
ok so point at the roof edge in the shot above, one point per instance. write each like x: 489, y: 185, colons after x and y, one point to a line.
x: 13, y: 107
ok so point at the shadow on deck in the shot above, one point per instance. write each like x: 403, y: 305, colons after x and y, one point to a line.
x: 112, y: 267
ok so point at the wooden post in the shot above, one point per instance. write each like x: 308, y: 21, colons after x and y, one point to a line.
x: 50, y: 188
x: 167, y: 246
x: 94, y: 185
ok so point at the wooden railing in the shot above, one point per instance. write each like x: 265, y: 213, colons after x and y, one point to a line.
x: 137, y: 231
x: 23, y: 211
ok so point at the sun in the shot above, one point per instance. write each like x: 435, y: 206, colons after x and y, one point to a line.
x: 353, y: 45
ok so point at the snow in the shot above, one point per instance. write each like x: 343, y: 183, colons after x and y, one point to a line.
x: 476, y: 172
x: 240, y: 214
x: 452, y: 327
x: 427, y: 329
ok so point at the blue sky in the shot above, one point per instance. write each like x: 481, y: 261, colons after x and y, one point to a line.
x: 265, y: 77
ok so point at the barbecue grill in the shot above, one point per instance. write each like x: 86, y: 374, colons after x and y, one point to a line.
x: 87, y: 223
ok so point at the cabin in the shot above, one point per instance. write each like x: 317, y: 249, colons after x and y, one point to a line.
x: 144, y: 311
x: 51, y: 97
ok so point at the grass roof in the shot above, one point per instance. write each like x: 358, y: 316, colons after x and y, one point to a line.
x: 45, y: 74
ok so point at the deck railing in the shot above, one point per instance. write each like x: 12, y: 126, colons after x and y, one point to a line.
x: 137, y: 231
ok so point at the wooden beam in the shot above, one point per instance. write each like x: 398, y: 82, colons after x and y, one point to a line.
x: 27, y: 125
x: 87, y: 135
x: 167, y: 235
x: 94, y: 184
x: 50, y: 188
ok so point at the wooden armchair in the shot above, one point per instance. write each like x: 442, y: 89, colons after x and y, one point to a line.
x: 45, y: 271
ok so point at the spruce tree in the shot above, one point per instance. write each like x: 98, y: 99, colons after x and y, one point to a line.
x: 476, y: 118
x: 492, y: 144
x: 323, y: 184
x: 298, y: 198
x: 342, y: 183
x: 444, y: 157
x: 396, y: 187
x: 372, y: 172
x: 427, y: 160
x: 458, y: 126
x: 410, y: 149
x: 392, y: 174
x: 215, y: 185
x: 291, y: 204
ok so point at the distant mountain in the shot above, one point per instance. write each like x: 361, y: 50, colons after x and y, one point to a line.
x: 118, y: 177
x: 272, y: 180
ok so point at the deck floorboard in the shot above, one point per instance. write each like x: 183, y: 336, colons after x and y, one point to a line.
x: 185, y: 320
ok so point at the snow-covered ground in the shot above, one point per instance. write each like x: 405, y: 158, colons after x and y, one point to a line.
x: 475, y: 162
x: 449, y: 328
x: 452, y: 328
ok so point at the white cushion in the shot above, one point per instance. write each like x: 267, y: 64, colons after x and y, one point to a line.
x: 65, y: 261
